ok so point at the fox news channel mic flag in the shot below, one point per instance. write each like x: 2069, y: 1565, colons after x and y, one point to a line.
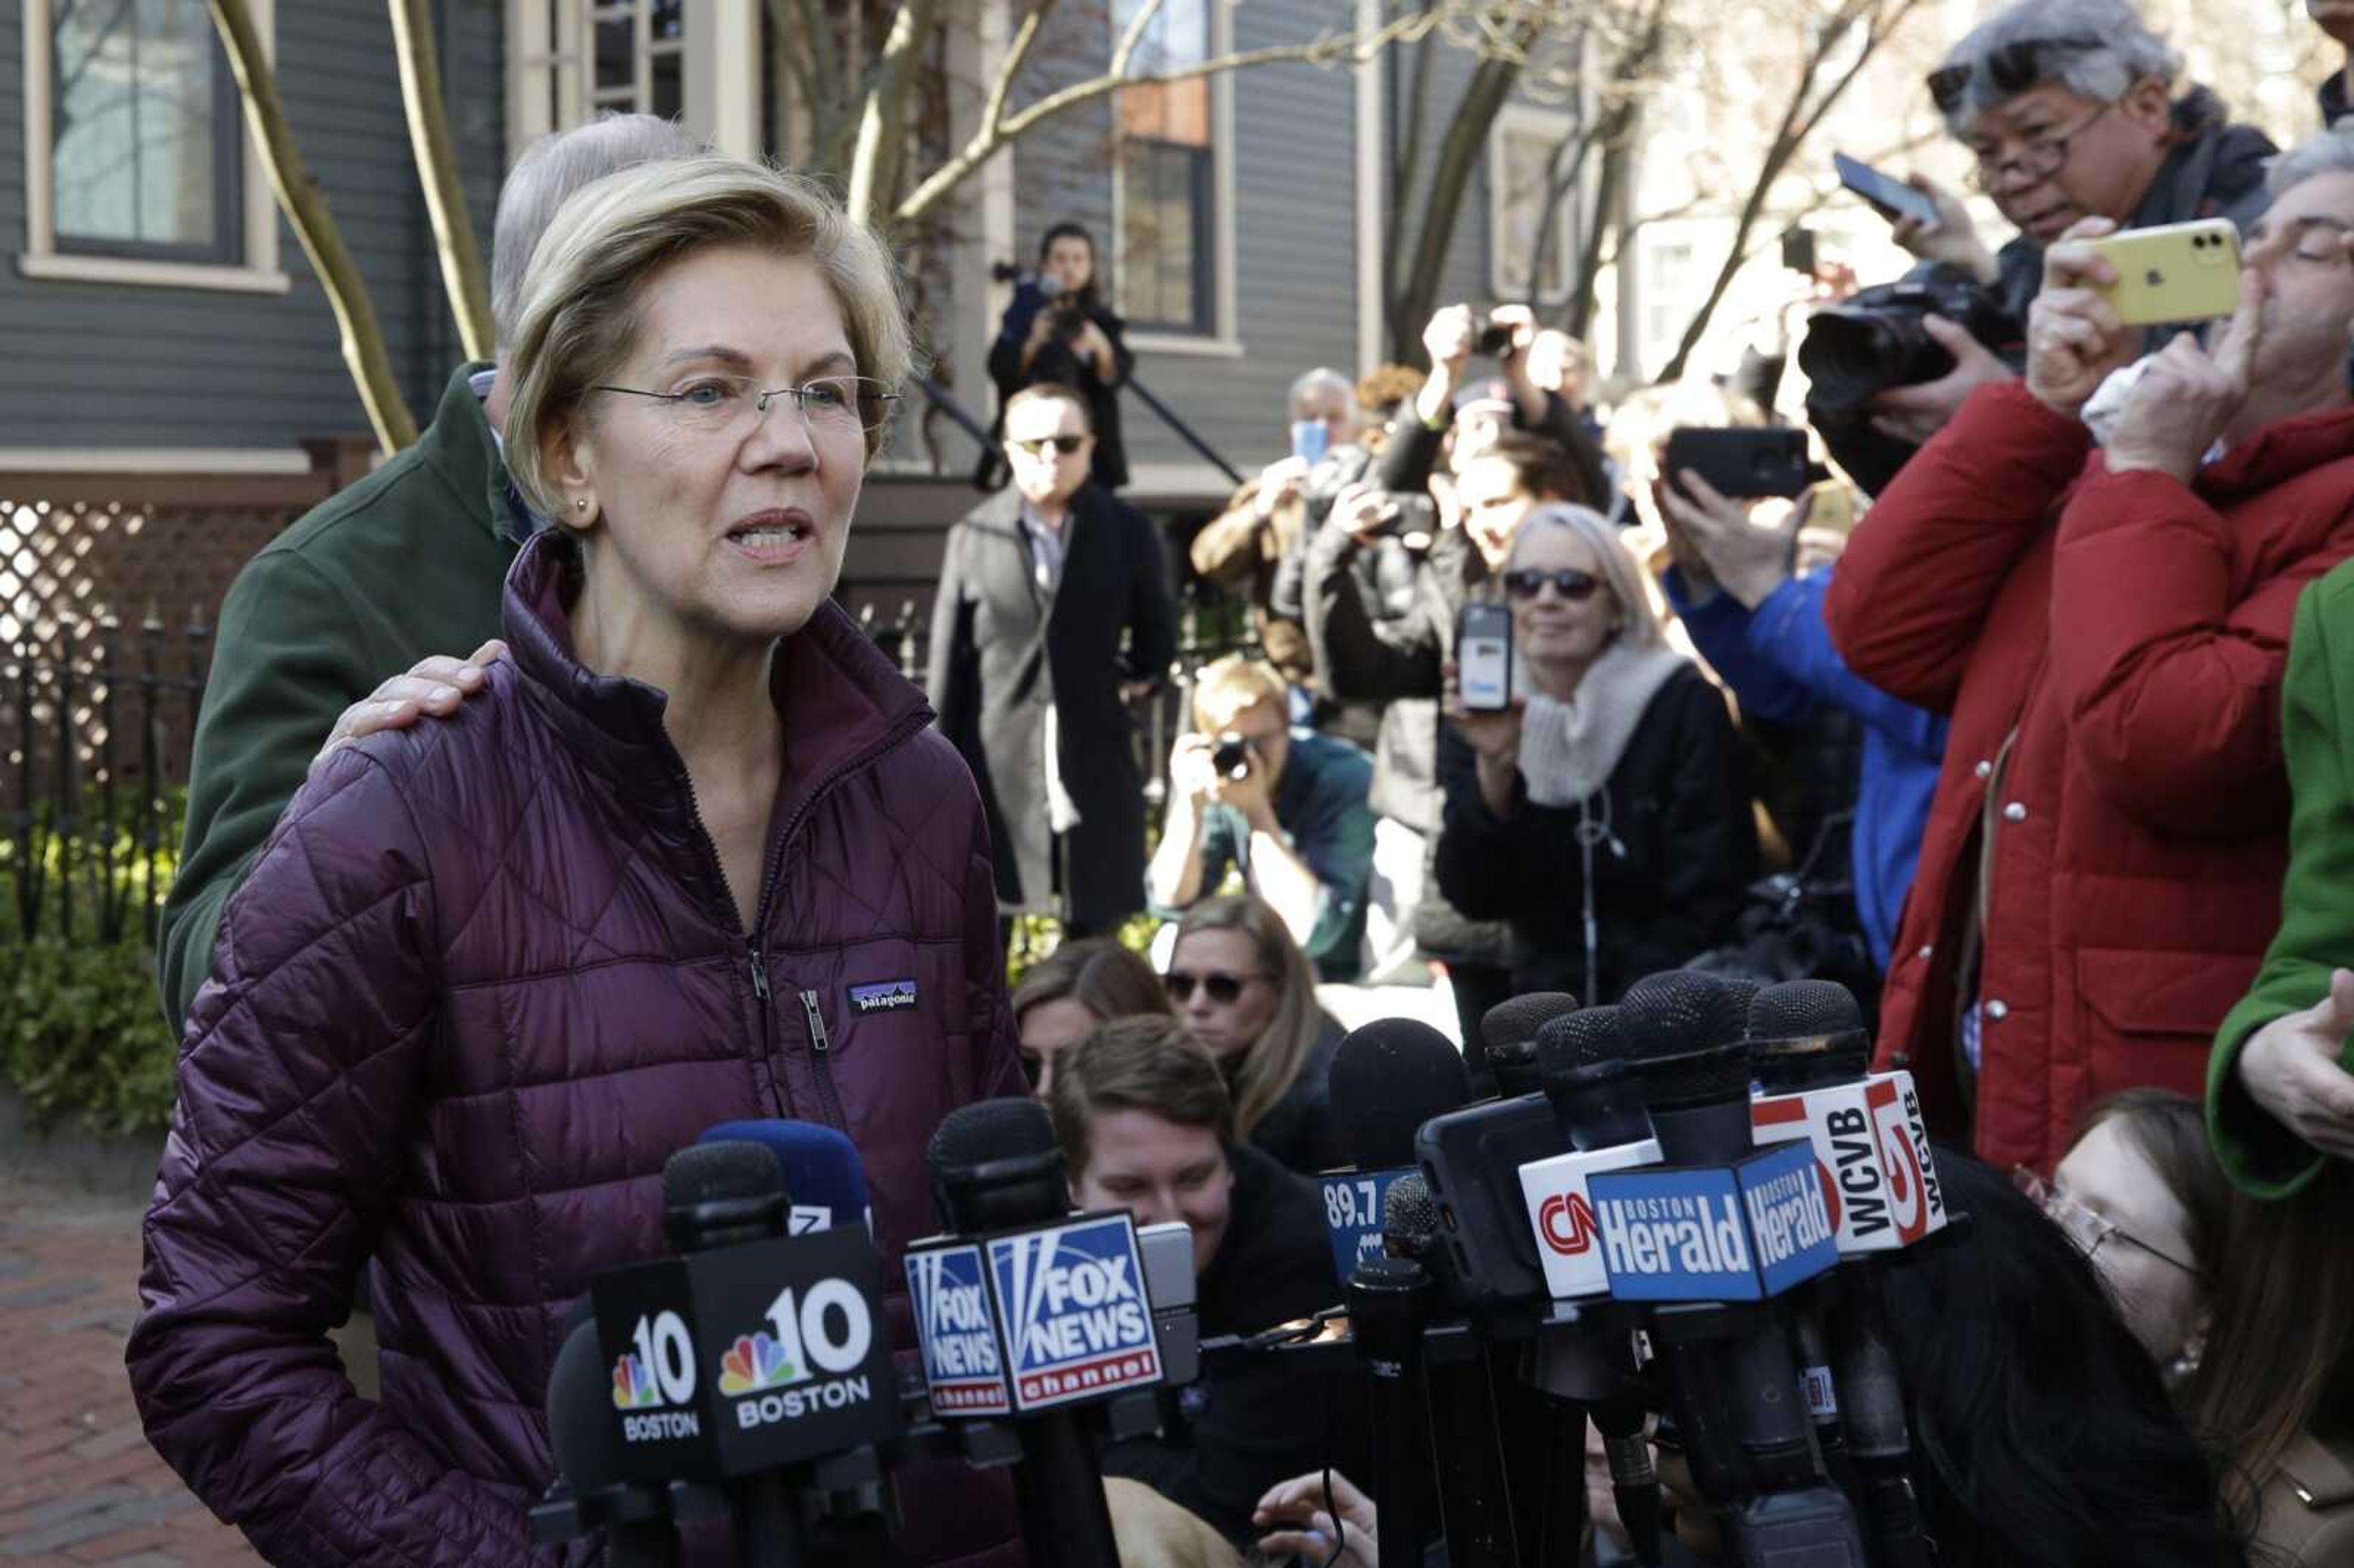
x: 1034, y: 1319
x: 1743, y: 1232
x: 748, y: 1358
x: 1872, y: 1151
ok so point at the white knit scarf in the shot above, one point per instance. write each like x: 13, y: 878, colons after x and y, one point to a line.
x: 1568, y: 751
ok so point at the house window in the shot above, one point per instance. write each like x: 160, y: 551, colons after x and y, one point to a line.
x: 1521, y: 174
x: 635, y: 60
x: 1165, y: 203
x: 1668, y: 296
x: 144, y: 151
x: 573, y: 60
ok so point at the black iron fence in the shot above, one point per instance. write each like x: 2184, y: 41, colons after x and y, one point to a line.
x: 98, y: 722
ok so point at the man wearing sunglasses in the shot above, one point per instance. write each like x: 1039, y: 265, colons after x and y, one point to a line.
x: 2070, y: 110
x: 2107, y: 628
x: 1039, y: 585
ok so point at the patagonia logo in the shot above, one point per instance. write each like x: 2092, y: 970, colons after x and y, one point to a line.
x: 884, y: 996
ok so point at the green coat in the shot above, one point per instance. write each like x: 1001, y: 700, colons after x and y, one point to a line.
x: 2317, y: 930
x: 406, y: 563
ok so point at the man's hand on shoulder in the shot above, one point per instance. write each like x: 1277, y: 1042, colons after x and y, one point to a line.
x: 434, y: 687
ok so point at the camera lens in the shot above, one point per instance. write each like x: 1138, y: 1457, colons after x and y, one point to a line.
x: 1232, y: 759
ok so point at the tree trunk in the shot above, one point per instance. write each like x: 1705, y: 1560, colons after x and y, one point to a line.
x: 1617, y: 152
x: 314, y: 225
x: 437, y: 171
x: 876, y: 160
x: 1451, y: 178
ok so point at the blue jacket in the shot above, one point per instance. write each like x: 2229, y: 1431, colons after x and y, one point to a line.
x: 1779, y: 661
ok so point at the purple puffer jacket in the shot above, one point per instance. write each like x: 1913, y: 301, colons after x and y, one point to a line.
x: 485, y: 978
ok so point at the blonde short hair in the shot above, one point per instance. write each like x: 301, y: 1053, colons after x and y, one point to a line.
x: 1638, y: 622
x: 581, y: 297
x: 1228, y: 687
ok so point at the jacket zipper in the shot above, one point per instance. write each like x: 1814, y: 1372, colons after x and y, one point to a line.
x: 823, y: 1051
x: 754, y: 961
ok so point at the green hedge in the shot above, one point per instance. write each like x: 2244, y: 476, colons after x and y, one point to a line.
x: 82, y: 1036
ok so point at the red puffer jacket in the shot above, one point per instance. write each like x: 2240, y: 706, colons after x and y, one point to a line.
x: 2111, y: 648
x: 485, y: 978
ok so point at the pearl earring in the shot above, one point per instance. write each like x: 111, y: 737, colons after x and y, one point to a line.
x: 579, y: 505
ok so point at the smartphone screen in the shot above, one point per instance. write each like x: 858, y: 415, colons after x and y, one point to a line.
x: 1310, y: 441
x: 1483, y: 657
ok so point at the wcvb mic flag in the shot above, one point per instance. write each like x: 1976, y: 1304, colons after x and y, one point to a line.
x: 1715, y: 1232
x: 1072, y: 1308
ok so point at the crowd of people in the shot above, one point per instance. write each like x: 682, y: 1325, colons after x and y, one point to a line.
x: 2022, y: 718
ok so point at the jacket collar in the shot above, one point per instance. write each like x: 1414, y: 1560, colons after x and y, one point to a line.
x: 843, y: 702
x: 459, y: 447
x: 2280, y: 451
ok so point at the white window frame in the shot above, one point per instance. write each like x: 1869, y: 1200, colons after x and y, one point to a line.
x: 549, y: 68
x: 259, y: 274
x: 1553, y: 126
x: 1221, y: 342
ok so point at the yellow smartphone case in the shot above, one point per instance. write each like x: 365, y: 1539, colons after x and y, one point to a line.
x: 2176, y: 272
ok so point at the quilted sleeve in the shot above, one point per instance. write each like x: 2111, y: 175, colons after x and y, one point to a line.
x: 299, y: 1080
x: 996, y: 1045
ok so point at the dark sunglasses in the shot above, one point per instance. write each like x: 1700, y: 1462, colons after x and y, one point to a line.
x: 1065, y: 445
x: 2011, y: 68
x: 1523, y: 583
x: 1223, y: 989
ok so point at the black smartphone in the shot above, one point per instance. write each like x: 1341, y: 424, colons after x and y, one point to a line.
x: 1741, y: 461
x: 1888, y: 194
x: 1495, y: 340
x: 1483, y: 657
x: 1471, y: 1158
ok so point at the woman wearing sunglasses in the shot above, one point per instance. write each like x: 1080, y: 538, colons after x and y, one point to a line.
x: 1242, y: 987
x: 1603, y: 813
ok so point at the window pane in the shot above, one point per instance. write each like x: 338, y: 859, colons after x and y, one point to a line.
x: 617, y: 65
x: 1162, y: 245
x: 143, y: 129
x: 1179, y: 35
x: 669, y: 94
x: 669, y: 20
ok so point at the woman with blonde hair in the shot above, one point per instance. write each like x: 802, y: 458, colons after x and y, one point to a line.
x: 1603, y: 814
x: 1242, y: 987
x: 692, y: 854
x: 1062, y: 997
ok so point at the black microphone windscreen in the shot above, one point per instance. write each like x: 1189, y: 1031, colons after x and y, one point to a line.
x: 720, y: 1172
x: 1388, y: 1077
x: 989, y: 1130
x: 1409, y: 1217
x: 1590, y: 1036
x: 1686, y: 1031
x: 1521, y: 1018
x: 1800, y: 1008
x: 580, y: 1425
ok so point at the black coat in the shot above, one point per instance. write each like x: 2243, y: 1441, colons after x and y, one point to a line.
x: 1057, y: 363
x: 1235, y: 1434
x: 1003, y: 650
x: 1669, y: 888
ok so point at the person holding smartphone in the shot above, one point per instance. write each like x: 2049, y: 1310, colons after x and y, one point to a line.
x: 1602, y: 813
x: 2071, y: 110
x: 2108, y: 631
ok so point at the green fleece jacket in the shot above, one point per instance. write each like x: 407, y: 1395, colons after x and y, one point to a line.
x: 406, y: 563
x: 2317, y: 930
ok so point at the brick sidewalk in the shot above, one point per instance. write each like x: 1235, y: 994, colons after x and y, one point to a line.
x: 80, y: 1488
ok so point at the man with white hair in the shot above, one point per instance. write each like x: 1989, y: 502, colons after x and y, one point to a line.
x: 2072, y: 110
x: 408, y: 561
x: 2107, y: 626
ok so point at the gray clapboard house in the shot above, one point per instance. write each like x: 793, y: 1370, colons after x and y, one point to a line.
x: 171, y: 389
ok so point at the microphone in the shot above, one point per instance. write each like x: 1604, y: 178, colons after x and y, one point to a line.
x: 1712, y: 1237
x: 824, y: 1180
x: 1067, y: 1304
x: 1475, y: 1497
x: 592, y: 1459
x: 1388, y: 1077
x: 1510, y: 1032
x: 1811, y: 1052
x: 1390, y: 1299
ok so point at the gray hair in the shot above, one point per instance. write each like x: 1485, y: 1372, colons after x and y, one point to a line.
x: 2127, y: 52
x: 2331, y: 153
x: 1640, y: 625
x: 1322, y: 375
x: 550, y: 170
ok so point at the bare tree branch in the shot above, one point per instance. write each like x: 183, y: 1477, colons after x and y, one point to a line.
x: 1121, y: 56
x: 882, y: 125
x: 460, y: 255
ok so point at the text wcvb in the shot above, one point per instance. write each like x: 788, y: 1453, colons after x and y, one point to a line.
x: 808, y: 1359
x: 961, y: 1366
x: 1715, y: 1232
x: 1076, y: 1322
